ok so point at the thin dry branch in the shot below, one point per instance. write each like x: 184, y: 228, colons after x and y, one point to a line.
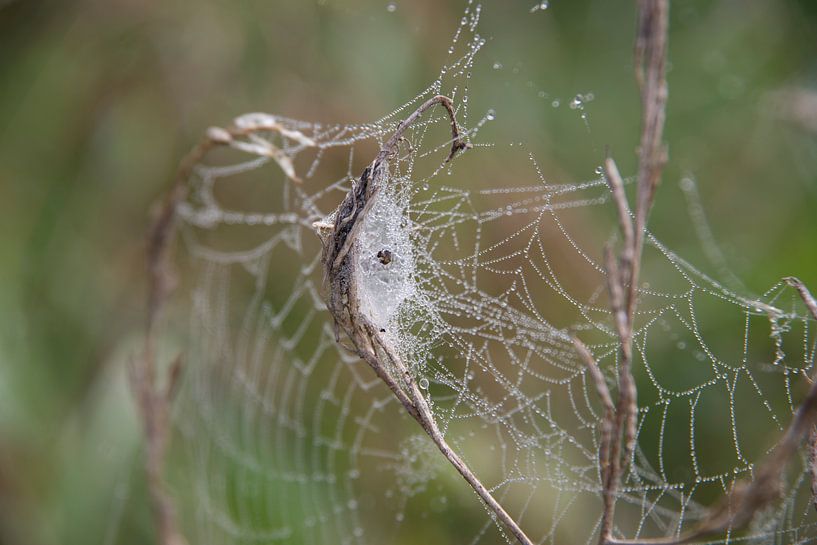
x: 811, y: 305
x: 606, y: 421
x: 368, y: 341
x: 153, y: 400
x: 805, y: 294
x: 740, y: 507
x: 616, y: 185
x: 623, y: 270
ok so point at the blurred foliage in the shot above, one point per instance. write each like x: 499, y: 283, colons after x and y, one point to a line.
x: 100, y: 98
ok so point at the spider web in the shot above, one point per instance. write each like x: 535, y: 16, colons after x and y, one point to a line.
x: 290, y: 438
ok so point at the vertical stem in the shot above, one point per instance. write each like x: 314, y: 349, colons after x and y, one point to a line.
x: 623, y: 273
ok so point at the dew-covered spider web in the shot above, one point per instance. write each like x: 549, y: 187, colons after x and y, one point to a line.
x: 480, y: 279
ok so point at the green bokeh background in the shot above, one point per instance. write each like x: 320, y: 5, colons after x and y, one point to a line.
x: 100, y: 98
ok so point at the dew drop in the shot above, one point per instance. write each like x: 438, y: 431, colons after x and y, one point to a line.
x: 555, y: 103
x: 391, y: 7
x: 541, y: 6
x: 497, y: 66
x: 424, y: 383
x: 577, y: 102
x: 491, y: 115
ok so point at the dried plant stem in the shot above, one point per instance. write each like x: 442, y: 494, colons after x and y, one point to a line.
x: 608, y: 417
x: 618, y: 423
x: 805, y: 294
x: 812, y: 464
x: 426, y: 419
x: 740, y: 507
x: 154, y: 403
x: 811, y: 305
x: 153, y: 400
x: 369, y: 342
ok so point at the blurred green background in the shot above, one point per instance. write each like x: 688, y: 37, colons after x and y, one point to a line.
x: 100, y: 98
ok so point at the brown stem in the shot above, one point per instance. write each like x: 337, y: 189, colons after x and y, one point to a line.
x: 457, y: 142
x: 805, y: 294
x: 623, y: 272
x: 425, y: 418
x: 741, y: 506
x: 152, y: 400
x: 811, y: 305
x: 738, y: 510
x: 342, y: 302
x: 607, y: 424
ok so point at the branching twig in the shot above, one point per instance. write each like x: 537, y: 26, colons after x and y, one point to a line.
x: 619, y: 425
x: 741, y: 506
x: 152, y: 399
x: 368, y: 341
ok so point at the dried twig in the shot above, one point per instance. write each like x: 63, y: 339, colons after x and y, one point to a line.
x: 805, y: 294
x: 741, y: 506
x: 368, y: 341
x: 619, y: 425
x: 153, y: 401
x: 811, y: 305
x: 606, y: 421
x: 746, y: 500
x: 650, y: 61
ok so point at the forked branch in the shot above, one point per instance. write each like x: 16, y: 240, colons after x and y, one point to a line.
x: 618, y: 423
x: 368, y: 341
